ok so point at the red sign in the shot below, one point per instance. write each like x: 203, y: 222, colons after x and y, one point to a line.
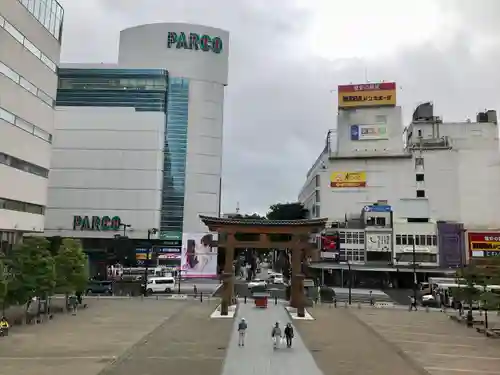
x: 383, y: 86
x: 329, y: 243
x: 483, y: 244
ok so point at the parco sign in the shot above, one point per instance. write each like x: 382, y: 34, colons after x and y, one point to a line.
x: 96, y: 223
x: 193, y: 41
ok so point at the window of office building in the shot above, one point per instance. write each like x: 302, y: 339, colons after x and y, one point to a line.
x: 352, y: 237
x: 22, y: 165
x: 352, y: 246
x: 12, y: 205
x: 420, y: 239
x: 17, y: 35
x: 174, y: 153
x: 49, y: 13
x: 142, y: 89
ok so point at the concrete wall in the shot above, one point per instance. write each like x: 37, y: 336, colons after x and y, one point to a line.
x: 27, y: 85
x: 106, y: 161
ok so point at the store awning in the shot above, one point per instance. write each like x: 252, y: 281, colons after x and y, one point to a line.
x: 381, y: 268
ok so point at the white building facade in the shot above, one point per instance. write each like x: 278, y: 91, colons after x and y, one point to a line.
x: 138, y: 144
x: 432, y: 172
x: 30, y: 44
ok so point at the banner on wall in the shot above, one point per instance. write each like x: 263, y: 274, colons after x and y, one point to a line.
x: 368, y: 132
x: 199, y: 255
x: 367, y: 95
x: 484, y: 244
x: 348, y: 179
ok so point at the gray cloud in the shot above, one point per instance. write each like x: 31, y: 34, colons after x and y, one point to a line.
x: 278, y: 105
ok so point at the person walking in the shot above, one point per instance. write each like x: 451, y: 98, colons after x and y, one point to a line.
x: 289, y: 335
x: 372, y: 300
x: 413, y: 303
x: 242, y: 328
x: 276, y: 335
x: 73, y: 304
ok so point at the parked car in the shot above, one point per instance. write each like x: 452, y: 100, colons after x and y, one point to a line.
x: 257, y: 283
x: 278, y: 279
x: 100, y: 287
x: 161, y: 285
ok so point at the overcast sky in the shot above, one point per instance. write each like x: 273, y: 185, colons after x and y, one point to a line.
x: 286, y: 56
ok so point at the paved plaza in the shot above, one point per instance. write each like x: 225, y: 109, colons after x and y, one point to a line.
x: 439, y: 345
x: 106, y: 337
x: 341, y: 345
x: 133, y: 336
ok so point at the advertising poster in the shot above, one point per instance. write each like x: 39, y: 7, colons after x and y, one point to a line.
x: 368, y: 132
x: 484, y: 244
x: 348, y: 179
x: 367, y: 95
x: 199, y: 255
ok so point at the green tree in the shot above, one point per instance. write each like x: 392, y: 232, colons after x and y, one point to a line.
x: 287, y: 211
x: 32, y: 271
x: 468, y: 279
x: 71, y: 267
x: 3, y: 285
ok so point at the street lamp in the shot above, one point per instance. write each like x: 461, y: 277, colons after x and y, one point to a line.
x: 125, y: 226
x: 151, y: 231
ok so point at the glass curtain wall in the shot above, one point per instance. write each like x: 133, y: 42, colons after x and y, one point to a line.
x: 174, y: 162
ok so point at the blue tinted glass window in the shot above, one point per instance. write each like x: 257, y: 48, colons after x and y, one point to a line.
x: 142, y: 89
x: 174, y: 167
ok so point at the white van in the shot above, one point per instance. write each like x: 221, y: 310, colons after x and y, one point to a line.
x: 160, y: 285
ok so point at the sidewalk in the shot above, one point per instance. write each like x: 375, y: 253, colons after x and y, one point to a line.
x: 258, y: 357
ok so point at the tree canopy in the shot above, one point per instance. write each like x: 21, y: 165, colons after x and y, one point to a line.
x: 3, y: 283
x: 475, y: 280
x: 32, y: 270
x: 71, y: 267
x: 287, y: 211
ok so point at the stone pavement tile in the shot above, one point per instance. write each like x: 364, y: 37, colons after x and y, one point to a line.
x: 258, y: 357
x: 440, y: 345
x: 341, y: 345
x: 82, y: 344
x: 187, y: 343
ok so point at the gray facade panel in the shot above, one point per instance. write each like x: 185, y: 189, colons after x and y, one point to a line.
x: 15, y: 55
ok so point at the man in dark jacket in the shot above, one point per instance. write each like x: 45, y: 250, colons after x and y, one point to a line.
x: 242, y: 329
x: 289, y: 335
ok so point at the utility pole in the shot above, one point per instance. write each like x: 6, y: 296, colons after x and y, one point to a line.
x: 414, y: 271
x: 148, y: 255
x: 350, y: 281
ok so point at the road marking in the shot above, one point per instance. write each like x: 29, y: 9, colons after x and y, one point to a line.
x: 433, y: 343
x: 437, y: 334
x: 465, y: 356
x: 55, y: 358
x: 461, y: 370
x: 197, y: 358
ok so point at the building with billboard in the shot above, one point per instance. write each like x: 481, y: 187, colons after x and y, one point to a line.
x: 138, y: 144
x: 428, y: 173
x: 30, y: 45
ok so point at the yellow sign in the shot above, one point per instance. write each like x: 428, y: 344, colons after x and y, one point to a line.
x: 367, y: 95
x: 348, y: 179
